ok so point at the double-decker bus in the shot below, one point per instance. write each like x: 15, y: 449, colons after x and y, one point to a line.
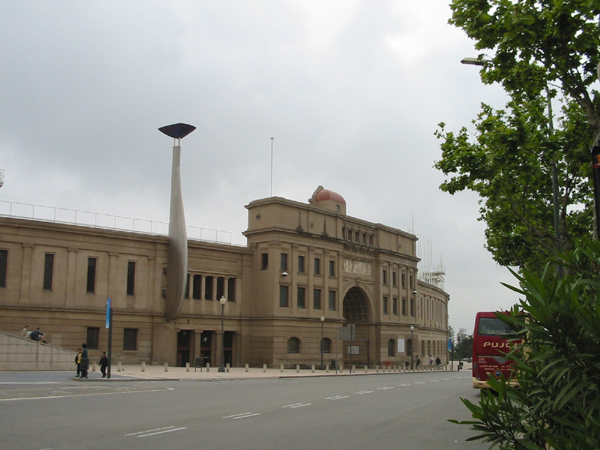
x: 491, y: 343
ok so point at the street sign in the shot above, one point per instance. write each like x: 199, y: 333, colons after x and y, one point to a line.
x: 108, y: 313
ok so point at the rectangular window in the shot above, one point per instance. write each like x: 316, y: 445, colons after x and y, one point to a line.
x: 284, y: 262
x: 403, y: 280
x: 264, y: 262
x: 301, y: 298
x: 48, y: 271
x: 317, y: 266
x: 332, y: 301
x: 331, y: 268
x: 130, y: 339
x: 91, y: 276
x: 395, y: 306
x: 186, y: 293
x: 386, y: 309
x: 412, y: 307
x: 404, y: 307
x: 197, y: 287
x: 93, y: 334
x: 220, y: 287
x: 208, y: 288
x: 131, y: 278
x: 394, y: 278
x: 231, y: 290
x: 317, y: 299
x: 283, y: 296
x: 300, y: 264
x: 3, y: 267
x: 385, y: 280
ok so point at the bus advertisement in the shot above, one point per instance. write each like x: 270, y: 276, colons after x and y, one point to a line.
x: 491, y: 342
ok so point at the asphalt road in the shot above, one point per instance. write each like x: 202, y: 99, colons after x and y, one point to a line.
x: 391, y: 411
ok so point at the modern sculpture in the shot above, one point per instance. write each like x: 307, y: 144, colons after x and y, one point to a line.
x: 177, y: 261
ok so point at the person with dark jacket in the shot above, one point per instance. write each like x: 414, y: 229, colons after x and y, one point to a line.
x: 84, y: 365
x: 103, y: 364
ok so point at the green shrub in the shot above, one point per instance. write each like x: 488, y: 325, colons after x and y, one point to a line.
x: 558, y: 364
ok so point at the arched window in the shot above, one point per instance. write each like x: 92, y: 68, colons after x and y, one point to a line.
x: 293, y: 345
x: 326, y: 343
x: 391, y: 349
x: 409, y: 347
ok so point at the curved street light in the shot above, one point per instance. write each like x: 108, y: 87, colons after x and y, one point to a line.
x: 222, y: 301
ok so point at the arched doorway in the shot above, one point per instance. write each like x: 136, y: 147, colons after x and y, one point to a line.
x: 356, y: 311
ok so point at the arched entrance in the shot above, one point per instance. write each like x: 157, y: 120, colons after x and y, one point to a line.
x: 357, y: 312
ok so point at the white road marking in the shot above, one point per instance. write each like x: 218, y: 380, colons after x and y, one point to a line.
x: 297, y: 405
x: 155, y: 431
x: 364, y: 392
x: 420, y: 382
x: 337, y: 397
x: 241, y: 415
x: 385, y: 388
x: 402, y: 385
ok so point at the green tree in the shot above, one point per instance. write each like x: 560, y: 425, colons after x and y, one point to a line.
x: 557, y: 404
x: 509, y: 163
x: 533, y: 43
x: 537, y: 50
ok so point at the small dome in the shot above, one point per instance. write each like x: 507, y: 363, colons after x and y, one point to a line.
x: 326, y: 194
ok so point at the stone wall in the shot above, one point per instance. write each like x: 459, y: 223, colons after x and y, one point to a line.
x: 21, y: 354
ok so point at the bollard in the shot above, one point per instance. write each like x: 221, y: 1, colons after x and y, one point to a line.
x: 264, y: 367
x: 341, y: 368
x: 326, y: 368
x: 93, y: 367
x: 353, y: 369
x: 297, y: 368
x: 166, y: 366
x: 246, y: 367
x: 119, y: 369
x: 313, y: 368
x: 187, y: 366
x: 366, y: 369
x: 227, y: 367
x: 143, y: 366
x: 208, y: 367
x: 281, y: 367
x: 376, y: 369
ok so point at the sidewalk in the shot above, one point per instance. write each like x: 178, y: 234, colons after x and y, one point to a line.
x: 151, y: 372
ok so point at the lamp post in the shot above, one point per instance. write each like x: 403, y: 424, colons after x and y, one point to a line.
x: 222, y: 301
x: 412, y: 346
x: 322, y: 324
x: 556, y: 212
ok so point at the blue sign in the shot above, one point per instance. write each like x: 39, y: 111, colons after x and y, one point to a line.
x: 108, y: 313
x: 450, y: 344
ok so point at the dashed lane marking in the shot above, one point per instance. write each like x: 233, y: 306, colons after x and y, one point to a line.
x: 241, y: 415
x: 155, y: 431
x: 297, y: 405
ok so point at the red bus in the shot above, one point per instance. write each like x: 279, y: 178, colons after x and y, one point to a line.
x: 491, y: 342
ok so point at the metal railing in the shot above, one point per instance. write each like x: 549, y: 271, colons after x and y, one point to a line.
x: 105, y: 221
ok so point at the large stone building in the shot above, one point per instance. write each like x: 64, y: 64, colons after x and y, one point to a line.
x: 307, y: 271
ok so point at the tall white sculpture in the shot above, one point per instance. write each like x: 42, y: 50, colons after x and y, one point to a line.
x: 177, y: 261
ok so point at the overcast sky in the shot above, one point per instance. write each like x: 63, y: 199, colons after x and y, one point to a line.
x: 351, y: 91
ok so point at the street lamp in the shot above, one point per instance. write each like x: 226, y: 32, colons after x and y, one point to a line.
x: 412, y: 346
x: 222, y: 301
x: 322, y: 323
x: 482, y: 62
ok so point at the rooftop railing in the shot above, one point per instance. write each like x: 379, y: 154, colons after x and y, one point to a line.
x: 105, y: 221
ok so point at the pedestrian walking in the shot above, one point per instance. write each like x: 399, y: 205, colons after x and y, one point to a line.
x: 103, y: 364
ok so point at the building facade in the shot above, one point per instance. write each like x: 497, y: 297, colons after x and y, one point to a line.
x: 307, y: 272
